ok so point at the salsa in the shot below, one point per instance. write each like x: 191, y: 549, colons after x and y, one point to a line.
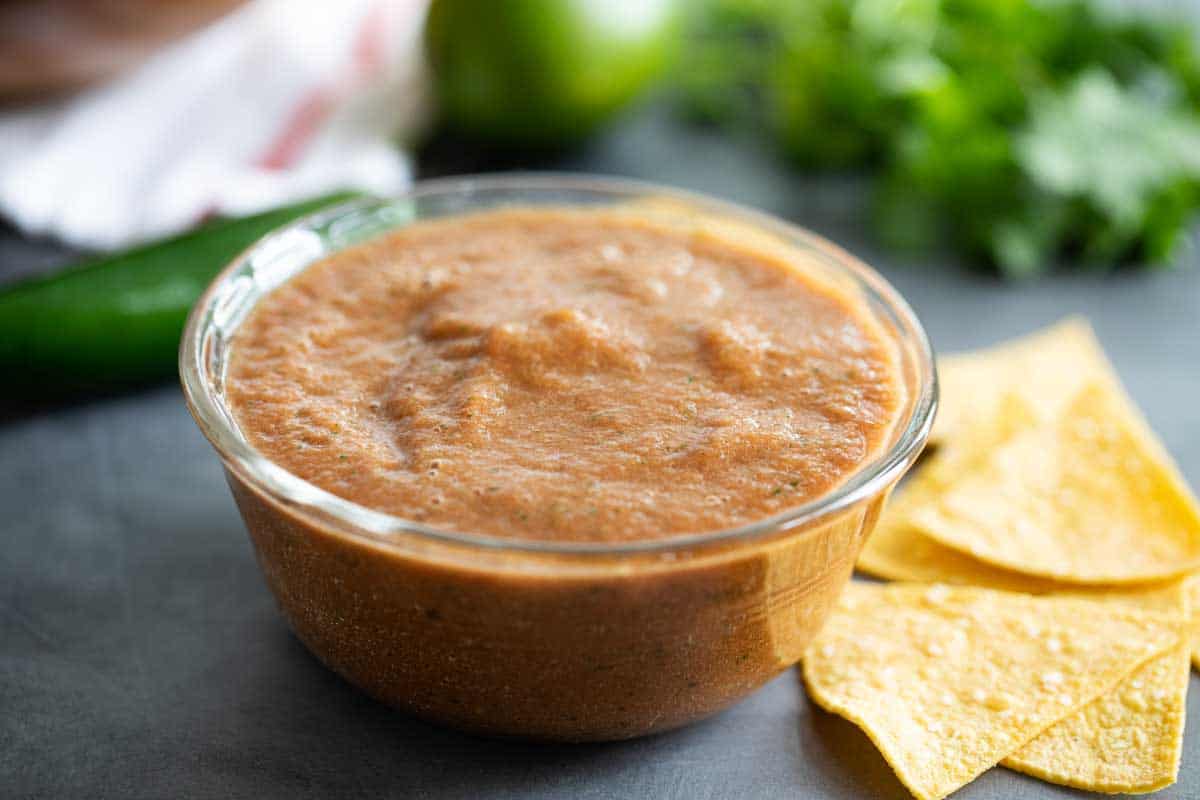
x: 566, y: 374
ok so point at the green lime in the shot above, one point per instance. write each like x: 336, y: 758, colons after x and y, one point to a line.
x: 543, y: 72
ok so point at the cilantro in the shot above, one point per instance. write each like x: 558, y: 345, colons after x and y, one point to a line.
x: 1116, y: 150
x: 1020, y: 132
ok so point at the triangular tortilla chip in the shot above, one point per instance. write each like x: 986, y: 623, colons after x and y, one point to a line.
x: 1130, y: 739
x: 947, y: 681
x: 1087, y: 749
x: 1193, y: 585
x: 1089, y: 498
x: 1047, y: 368
x: 1090, y: 749
x: 895, y: 550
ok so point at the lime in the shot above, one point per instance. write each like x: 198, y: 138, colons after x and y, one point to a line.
x: 544, y: 72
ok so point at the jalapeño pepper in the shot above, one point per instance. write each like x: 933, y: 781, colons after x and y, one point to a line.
x: 115, y: 321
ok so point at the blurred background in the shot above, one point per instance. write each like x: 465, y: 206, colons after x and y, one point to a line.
x: 1004, y: 163
x: 1013, y: 139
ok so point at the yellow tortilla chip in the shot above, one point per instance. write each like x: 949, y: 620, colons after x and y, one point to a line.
x: 1088, y: 498
x: 1193, y: 585
x: 1168, y: 598
x: 897, y: 551
x: 1048, y: 368
x: 1087, y: 750
x: 947, y: 681
x: 1130, y: 739
x: 902, y: 553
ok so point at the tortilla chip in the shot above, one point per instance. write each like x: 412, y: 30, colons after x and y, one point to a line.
x: 1047, y: 368
x: 897, y: 551
x: 1089, y: 498
x: 1094, y: 748
x: 948, y: 681
x: 1169, y: 598
x: 1130, y: 739
x: 903, y: 553
x: 1193, y: 585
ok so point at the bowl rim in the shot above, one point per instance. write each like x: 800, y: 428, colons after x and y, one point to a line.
x: 868, y: 480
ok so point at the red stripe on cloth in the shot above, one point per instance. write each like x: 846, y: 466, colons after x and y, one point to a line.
x: 298, y: 131
x: 306, y: 118
x: 370, y: 45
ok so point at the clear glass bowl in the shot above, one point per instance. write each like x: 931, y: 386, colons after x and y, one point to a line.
x: 550, y: 640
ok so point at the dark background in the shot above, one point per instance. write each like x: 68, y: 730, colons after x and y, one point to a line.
x: 141, y: 656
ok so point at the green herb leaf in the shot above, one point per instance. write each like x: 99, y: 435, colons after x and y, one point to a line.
x: 1022, y: 133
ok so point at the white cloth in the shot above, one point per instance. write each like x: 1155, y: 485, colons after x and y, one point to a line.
x: 280, y: 101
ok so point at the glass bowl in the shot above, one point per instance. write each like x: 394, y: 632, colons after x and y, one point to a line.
x: 544, y: 640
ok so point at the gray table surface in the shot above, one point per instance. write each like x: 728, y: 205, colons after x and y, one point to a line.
x: 141, y: 656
